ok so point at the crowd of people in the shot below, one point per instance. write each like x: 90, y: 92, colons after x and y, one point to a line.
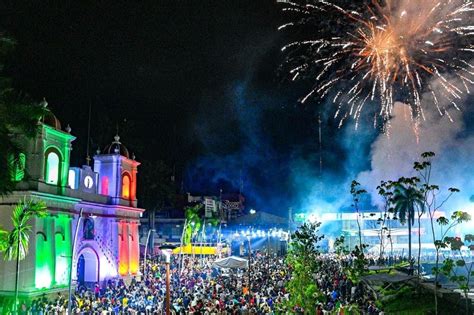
x: 196, y: 288
x: 339, y: 290
x: 199, y: 288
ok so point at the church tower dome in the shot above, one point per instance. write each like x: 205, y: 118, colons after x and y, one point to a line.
x: 51, y: 120
x: 116, y: 147
x: 117, y: 173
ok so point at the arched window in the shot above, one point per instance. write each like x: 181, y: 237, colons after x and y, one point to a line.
x: 126, y: 186
x: 88, y: 232
x: 52, y: 168
x: 105, y: 185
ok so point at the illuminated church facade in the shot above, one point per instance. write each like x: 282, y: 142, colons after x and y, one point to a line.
x: 100, y: 200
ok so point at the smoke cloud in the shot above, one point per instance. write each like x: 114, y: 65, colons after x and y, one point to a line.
x: 392, y: 156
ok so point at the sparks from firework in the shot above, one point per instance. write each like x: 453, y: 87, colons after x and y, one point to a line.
x: 391, y: 48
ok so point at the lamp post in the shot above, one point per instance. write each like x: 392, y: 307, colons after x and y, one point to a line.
x: 69, y: 303
x: 146, y: 248
x: 252, y: 212
x: 192, y: 237
x: 250, y: 263
x: 268, y: 244
x: 181, y: 245
x: 167, y: 251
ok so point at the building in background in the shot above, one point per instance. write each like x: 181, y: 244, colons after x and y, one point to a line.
x: 258, y: 231
x: 169, y: 222
x: 107, y: 245
x: 345, y: 222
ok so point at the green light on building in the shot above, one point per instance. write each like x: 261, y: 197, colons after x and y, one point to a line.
x: 62, y: 249
x: 17, y: 167
x: 44, y: 264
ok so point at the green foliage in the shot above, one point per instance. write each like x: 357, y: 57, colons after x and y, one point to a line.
x: 461, y: 216
x: 356, y: 190
x: 340, y: 247
x: 450, y: 266
x: 302, y: 259
x: 385, y: 190
x: 3, y: 240
x: 350, y: 309
x: 193, y: 222
x: 402, y: 298
x: 306, y: 239
x: 17, y: 241
x: 442, y: 221
x: 18, y: 115
x: 359, y: 265
x: 356, y: 193
x: 405, y: 300
x: 454, y: 242
x: 405, y: 199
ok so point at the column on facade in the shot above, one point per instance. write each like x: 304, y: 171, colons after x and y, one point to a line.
x: 134, y: 248
x: 63, y: 248
x: 123, y: 248
x: 44, y: 260
x: 133, y: 187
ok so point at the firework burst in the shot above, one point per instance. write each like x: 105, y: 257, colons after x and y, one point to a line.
x: 384, y: 51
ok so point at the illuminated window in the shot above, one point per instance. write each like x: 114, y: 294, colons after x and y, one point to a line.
x: 105, y: 185
x: 72, y: 179
x: 52, y: 168
x: 125, y: 186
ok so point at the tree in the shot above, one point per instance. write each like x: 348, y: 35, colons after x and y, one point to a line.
x: 356, y: 193
x: 193, y: 216
x: 433, y: 202
x: 446, y: 225
x: 18, y: 115
x: 17, y: 241
x: 449, y: 265
x: 192, y: 225
x: 406, y: 198
x: 340, y: 246
x: 385, y: 190
x: 302, y: 259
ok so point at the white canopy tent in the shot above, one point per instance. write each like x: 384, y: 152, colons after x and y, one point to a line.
x: 231, y: 262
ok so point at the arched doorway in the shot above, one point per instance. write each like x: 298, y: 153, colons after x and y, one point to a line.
x: 80, y: 270
x: 87, y: 267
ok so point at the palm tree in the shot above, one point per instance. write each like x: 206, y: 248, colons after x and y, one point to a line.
x: 405, y: 200
x: 192, y: 224
x: 3, y: 240
x: 17, y: 241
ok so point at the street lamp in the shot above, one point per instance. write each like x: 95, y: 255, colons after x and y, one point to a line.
x: 146, y: 248
x: 167, y: 250
x: 268, y: 244
x: 69, y: 303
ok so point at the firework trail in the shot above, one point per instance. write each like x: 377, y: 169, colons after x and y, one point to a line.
x: 379, y: 52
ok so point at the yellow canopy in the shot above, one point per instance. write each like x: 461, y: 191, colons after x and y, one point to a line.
x: 199, y: 250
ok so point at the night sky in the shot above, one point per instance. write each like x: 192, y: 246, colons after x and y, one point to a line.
x: 194, y: 84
